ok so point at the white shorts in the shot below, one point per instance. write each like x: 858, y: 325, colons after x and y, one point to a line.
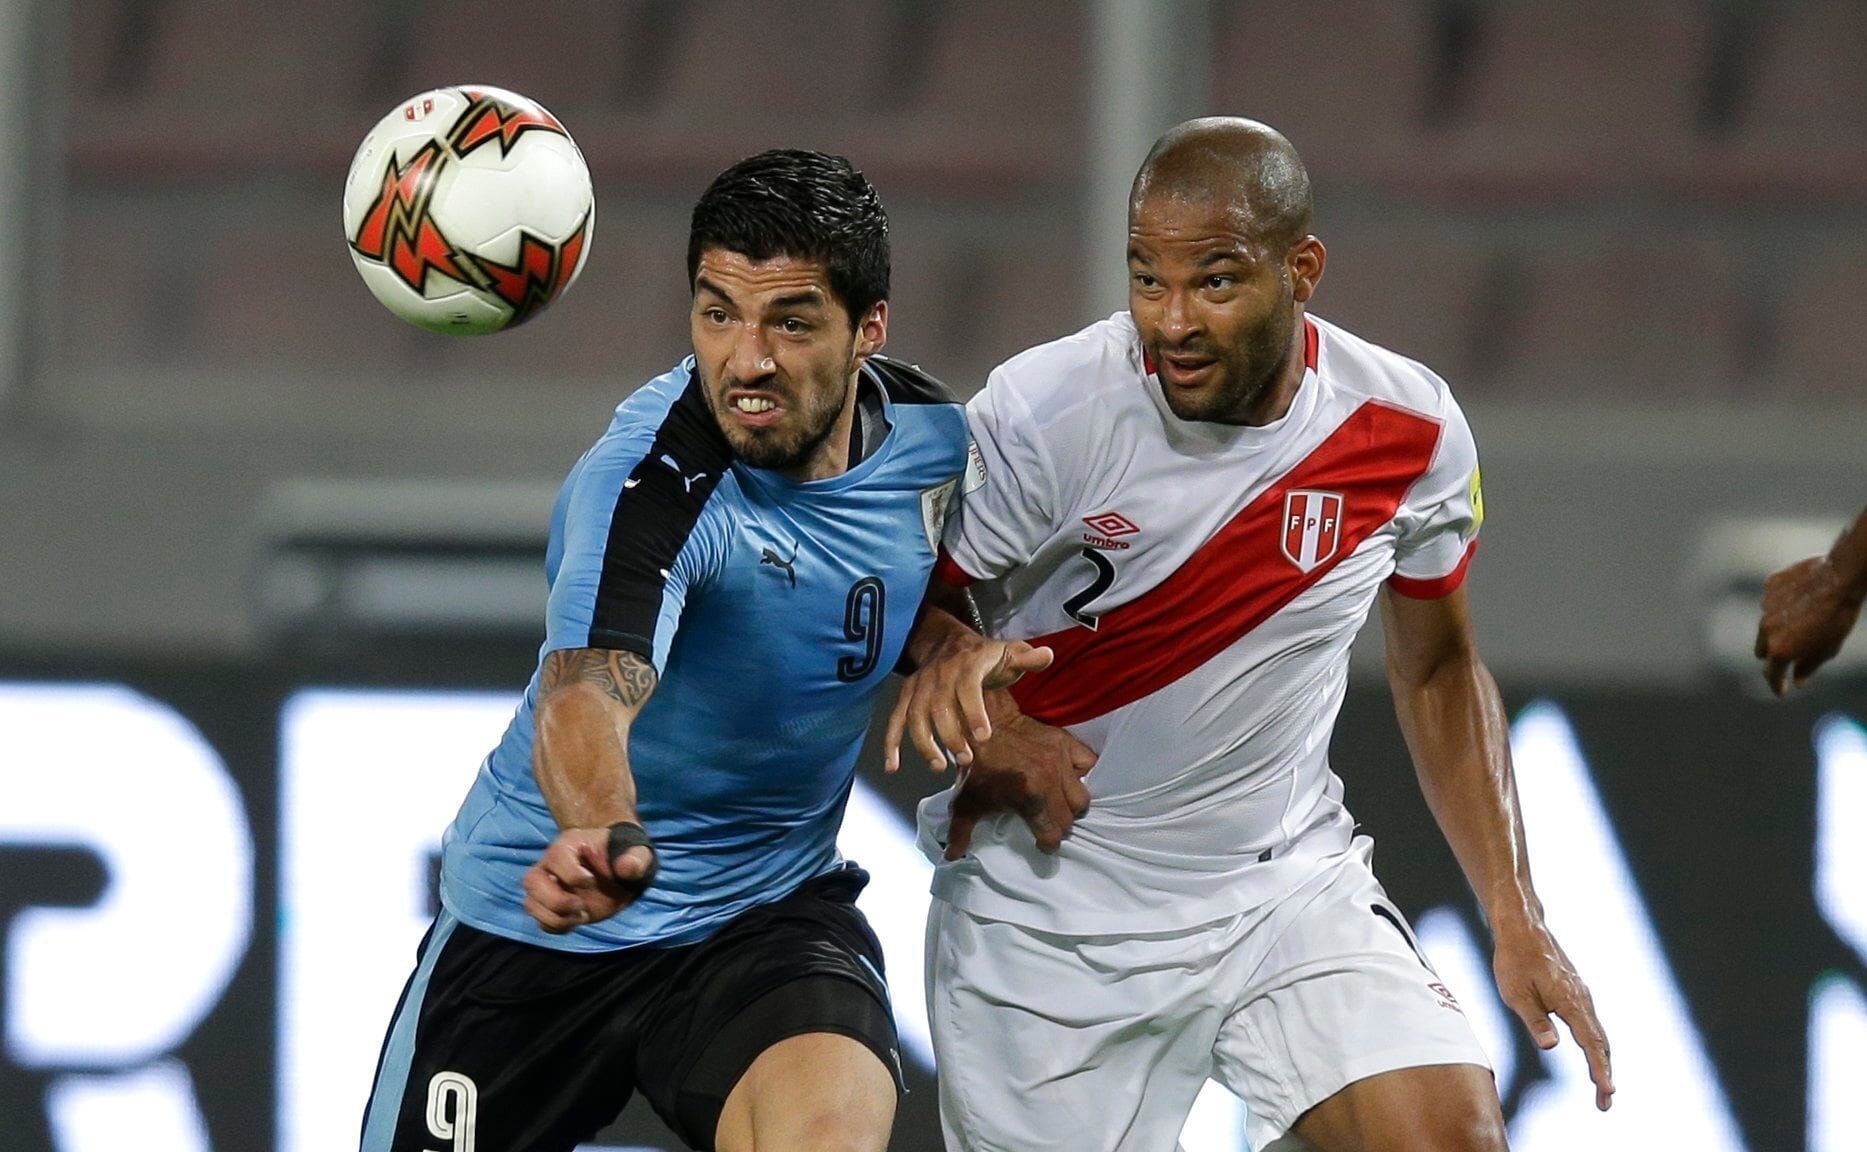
x: 1102, y: 1042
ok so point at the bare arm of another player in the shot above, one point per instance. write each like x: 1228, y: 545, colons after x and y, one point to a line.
x: 956, y: 690
x: 1454, y: 722
x: 587, y: 699
x: 1810, y: 607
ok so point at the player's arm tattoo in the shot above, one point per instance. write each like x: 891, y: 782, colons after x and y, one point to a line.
x: 623, y: 676
x: 587, y: 699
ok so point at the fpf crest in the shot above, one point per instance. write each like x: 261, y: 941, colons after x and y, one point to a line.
x: 1312, y: 526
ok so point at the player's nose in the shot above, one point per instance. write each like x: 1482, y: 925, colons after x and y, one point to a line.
x: 751, y: 359
x: 1178, y: 320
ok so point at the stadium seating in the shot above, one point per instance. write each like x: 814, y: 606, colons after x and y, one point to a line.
x: 1345, y: 82
x: 1417, y: 290
x: 1530, y: 197
x: 1799, y: 135
x: 1658, y: 318
x: 1574, y: 99
x: 1824, y: 339
x: 1461, y: 100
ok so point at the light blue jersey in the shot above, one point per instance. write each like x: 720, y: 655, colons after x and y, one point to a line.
x: 773, y: 610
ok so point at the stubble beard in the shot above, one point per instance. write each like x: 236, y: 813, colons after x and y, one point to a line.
x: 795, y: 440
x: 1251, y: 374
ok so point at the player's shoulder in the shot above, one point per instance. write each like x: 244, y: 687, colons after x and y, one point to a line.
x: 667, y: 420
x: 1082, y: 372
x: 910, y: 384
x: 927, y: 438
x: 668, y: 416
x: 661, y: 470
x: 644, y: 411
x: 1360, y: 367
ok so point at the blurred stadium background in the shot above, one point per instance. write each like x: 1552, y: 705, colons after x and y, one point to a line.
x: 260, y: 542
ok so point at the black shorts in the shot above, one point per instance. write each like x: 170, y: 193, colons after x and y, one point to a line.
x: 532, y: 1049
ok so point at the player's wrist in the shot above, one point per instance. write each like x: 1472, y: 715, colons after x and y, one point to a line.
x: 1850, y: 586
x: 956, y: 647
x: 937, y: 635
x: 1847, y: 560
x: 1001, y: 707
x: 1513, y: 911
x: 1835, y: 585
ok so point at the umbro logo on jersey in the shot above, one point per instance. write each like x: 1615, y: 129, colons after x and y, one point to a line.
x: 1112, y: 524
x: 1108, y: 526
x: 1446, y: 998
x: 1312, y: 527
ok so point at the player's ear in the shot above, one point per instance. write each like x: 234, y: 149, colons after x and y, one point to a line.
x: 872, y: 331
x: 1306, y: 261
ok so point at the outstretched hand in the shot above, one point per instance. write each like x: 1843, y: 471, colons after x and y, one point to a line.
x: 942, y: 705
x: 1026, y: 767
x: 1808, y: 610
x: 1537, y: 981
x: 574, y: 883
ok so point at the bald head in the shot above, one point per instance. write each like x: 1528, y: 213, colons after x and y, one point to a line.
x: 1246, y: 166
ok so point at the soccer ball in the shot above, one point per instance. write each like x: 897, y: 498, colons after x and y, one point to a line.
x: 468, y: 210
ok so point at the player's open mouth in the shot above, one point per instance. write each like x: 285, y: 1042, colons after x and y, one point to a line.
x: 1186, y: 371
x: 755, y: 409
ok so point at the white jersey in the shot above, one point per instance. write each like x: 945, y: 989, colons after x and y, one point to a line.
x: 1201, y: 584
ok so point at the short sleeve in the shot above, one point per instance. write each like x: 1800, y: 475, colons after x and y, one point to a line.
x: 635, y: 542
x: 1442, y: 516
x: 1007, y: 502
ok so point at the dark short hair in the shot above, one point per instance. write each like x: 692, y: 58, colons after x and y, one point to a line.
x: 806, y: 205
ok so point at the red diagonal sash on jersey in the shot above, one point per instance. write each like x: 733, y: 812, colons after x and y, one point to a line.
x: 1236, y: 580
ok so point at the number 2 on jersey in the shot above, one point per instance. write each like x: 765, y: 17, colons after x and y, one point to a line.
x: 1105, y: 576
x: 863, y: 617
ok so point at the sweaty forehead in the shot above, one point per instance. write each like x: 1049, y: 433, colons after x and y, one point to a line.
x: 1201, y: 222
x: 745, y: 279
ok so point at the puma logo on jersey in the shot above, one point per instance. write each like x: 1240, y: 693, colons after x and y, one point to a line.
x: 687, y: 481
x: 776, y: 561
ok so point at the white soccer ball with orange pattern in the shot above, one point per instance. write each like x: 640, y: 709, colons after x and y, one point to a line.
x: 468, y: 210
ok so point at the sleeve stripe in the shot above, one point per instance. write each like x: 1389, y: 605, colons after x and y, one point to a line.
x: 655, y: 513
x: 1434, y: 589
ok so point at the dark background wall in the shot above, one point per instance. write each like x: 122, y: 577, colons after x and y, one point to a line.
x: 1710, y: 797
